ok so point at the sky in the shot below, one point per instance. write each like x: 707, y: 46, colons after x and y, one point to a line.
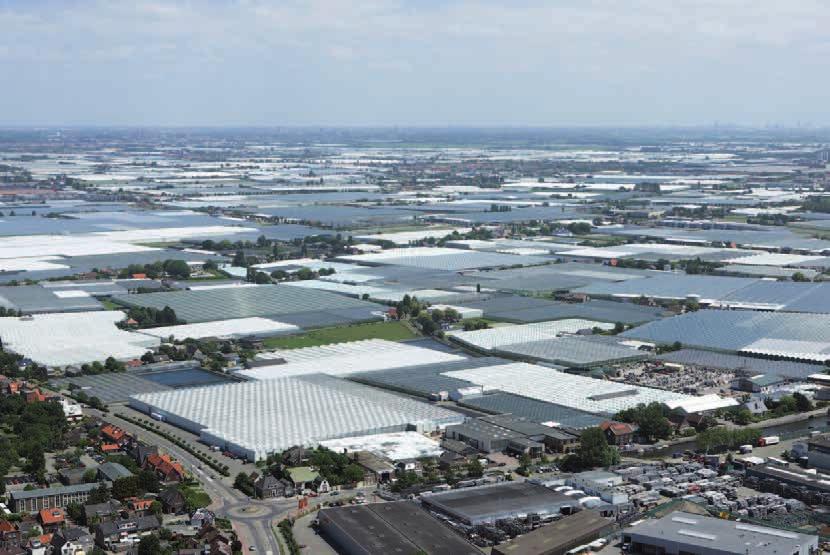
x: 414, y: 62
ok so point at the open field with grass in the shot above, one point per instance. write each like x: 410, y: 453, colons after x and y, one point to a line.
x: 391, y: 331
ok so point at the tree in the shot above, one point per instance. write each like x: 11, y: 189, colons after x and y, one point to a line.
x: 594, y: 450
x: 75, y: 511
x: 245, y: 484
x: 149, y: 545
x: 90, y: 476
x: 122, y: 488
x: 99, y: 495
x: 353, y: 474
x: 799, y: 276
x: 240, y: 260
x: 474, y: 469
x: 177, y: 269
x: 148, y: 481
x: 741, y: 416
x: 428, y: 326
x: 261, y: 278
x: 802, y: 402
x: 156, y: 508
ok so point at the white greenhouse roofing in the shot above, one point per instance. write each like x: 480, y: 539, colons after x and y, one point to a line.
x: 341, y: 359
x: 441, y: 258
x: 261, y: 417
x: 72, y: 338
x: 702, y: 404
x: 236, y: 328
x: 782, y: 334
x: 395, y: 445
x: 494, y: 338
x: 569, y: 390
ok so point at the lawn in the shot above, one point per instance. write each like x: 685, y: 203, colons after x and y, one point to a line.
x: 391, y: 331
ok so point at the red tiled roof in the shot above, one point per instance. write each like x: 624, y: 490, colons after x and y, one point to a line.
x: 54, y: 515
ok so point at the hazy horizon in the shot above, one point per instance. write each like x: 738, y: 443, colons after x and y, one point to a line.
x: 387, y: 63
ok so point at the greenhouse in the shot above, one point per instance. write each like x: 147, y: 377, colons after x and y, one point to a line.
x: 253, y: 419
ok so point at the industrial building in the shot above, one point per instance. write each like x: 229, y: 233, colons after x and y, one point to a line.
x: 558, y: 537
x: 487, y: 504
x: 400, y: 527
x: 679, y: 533
x: 254, y: 419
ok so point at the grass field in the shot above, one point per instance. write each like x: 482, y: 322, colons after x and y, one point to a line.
x: 109, y: 305
x: 392, y: 331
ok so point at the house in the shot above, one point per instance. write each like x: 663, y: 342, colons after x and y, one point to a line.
x: 51, y: 519
x: 114, y: 533
x: 114, y: 434
x: 72, y: 541
x: 139, y: 451
x: 269, y: 487
x: 102, y: 511
x: 112, y: 471
x: 618, y: 433
x: 9, y: 534
x: 167, y: 469
x: 302, y: 477
x: 35, y: 396
x: 142, y: 506
x: 201, y: 518
x: 450, y: 460
x: 108, y: 448
x: 172, y: 501
x: 376, y: 469
x: 39, y: 545
x: 295, y: 456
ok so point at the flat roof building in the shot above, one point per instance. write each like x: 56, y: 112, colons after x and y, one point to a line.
x: 558, y: 537
x: 679, y: 533
x: 487, y: 504
x: 400, y: 527
x: 44, y: 498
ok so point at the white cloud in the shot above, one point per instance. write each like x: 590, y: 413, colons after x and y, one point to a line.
x: 397, y: 61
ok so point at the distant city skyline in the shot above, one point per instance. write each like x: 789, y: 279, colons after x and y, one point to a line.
x: 399, y: 62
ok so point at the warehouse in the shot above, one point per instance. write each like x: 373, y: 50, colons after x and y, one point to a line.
x: 558, y: 537
x: 749, y: 365
x: 226, y: 329
x: 400, y: 527
x: 291, y: 305
x: 487, y: 504
x: 74, y: 338
x: 679, y: 533
x: 254, y: 419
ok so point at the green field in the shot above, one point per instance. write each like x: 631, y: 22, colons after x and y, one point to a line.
x: 392, y: 331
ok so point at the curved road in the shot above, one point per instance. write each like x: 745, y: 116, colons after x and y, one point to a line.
x: 253, y: 520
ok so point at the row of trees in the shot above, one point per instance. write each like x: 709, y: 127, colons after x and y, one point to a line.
x: 177, y: 269
x: 149, y: 317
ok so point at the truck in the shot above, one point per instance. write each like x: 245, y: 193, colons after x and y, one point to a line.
x: 745, y: 449
x: 769, y: 440
x: 157, y: 416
